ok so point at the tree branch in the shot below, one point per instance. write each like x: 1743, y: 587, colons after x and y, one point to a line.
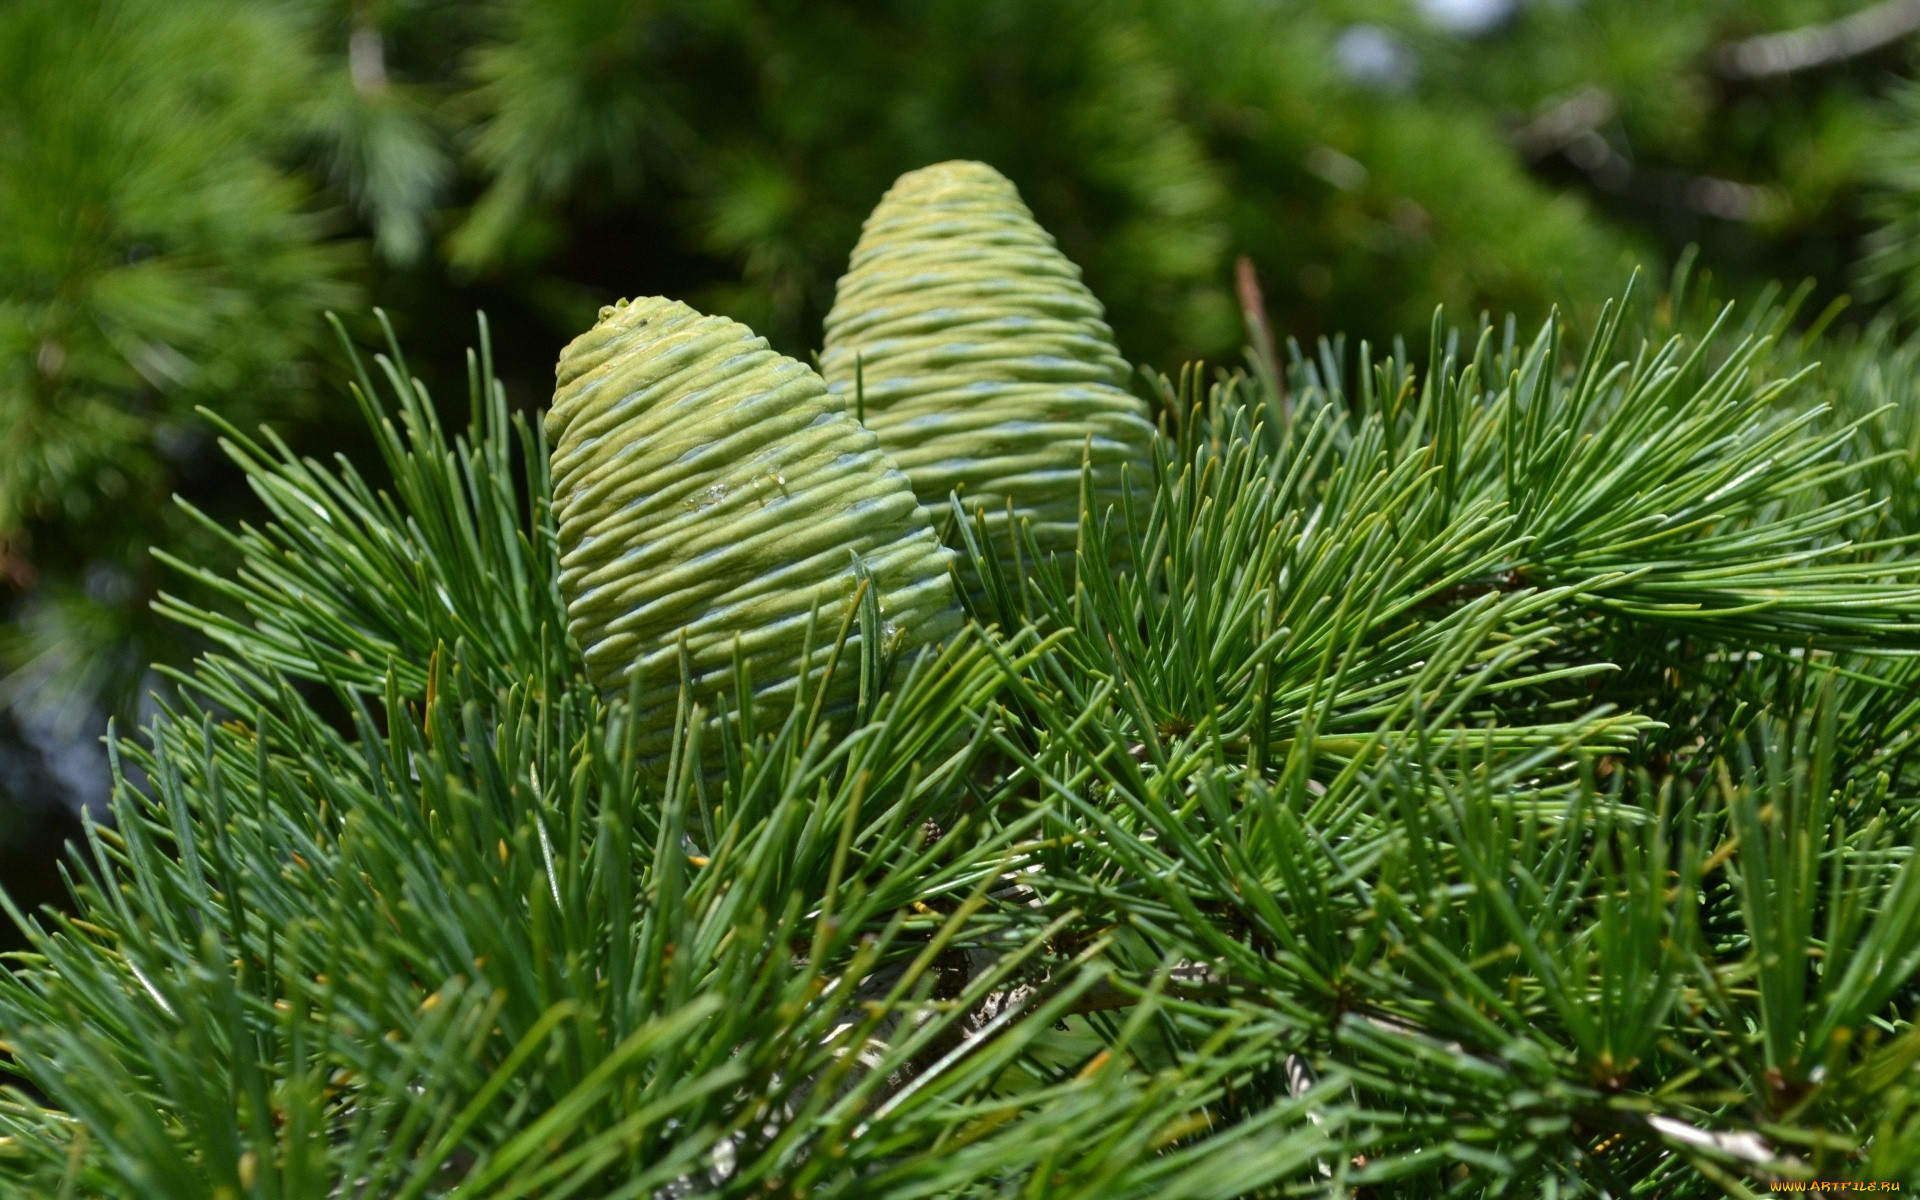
x: 1777, y: 54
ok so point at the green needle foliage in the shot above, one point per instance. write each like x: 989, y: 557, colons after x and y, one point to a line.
x: 157, y: 256
x: 1488, y: 779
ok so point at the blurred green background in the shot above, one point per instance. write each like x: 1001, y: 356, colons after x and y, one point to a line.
x: 187, y: 186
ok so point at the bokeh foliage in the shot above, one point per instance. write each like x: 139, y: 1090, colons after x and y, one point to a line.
x: 157, y: 256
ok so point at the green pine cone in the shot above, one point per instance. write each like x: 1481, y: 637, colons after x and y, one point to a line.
x: 707, y: 486
x: 983, y: 363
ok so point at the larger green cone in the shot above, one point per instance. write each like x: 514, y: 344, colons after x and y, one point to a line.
x: 983, y: 363
x: 707, y: 487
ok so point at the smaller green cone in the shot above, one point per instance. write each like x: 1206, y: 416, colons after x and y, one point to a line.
x: 707, y: 488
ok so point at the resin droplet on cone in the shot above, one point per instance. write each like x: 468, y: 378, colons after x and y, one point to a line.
x: 984, y: 364
x: 705, y: 484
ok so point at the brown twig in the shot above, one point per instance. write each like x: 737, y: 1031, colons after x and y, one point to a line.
x: 17, y: 569
x: 1253, y: 309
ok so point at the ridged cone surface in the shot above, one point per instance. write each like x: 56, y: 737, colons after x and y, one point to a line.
x: 703, y: 483
x: 984, y: 363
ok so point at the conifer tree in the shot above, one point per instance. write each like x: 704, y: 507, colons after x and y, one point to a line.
x: 1481, y: 770
x: 1489, y: 777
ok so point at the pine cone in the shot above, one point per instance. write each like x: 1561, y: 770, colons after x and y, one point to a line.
x: 707, y: 487
x: 984, y: 364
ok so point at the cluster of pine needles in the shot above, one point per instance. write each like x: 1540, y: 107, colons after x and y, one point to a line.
x: 1496, y: 778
